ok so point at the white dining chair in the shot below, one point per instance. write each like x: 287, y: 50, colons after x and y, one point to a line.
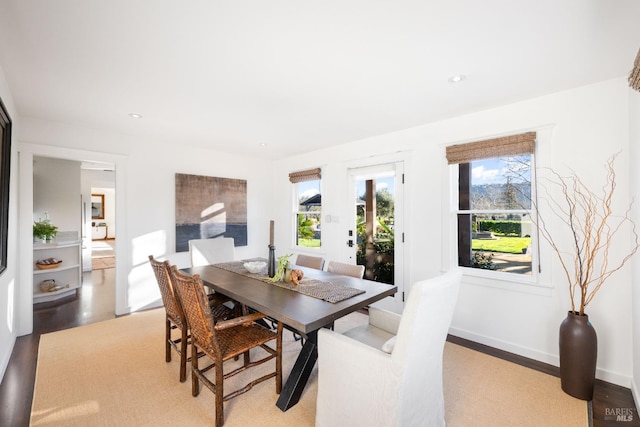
x: 211, y: 251
x: 314, y: 262
x: 346, y: 269
x: 310, y: 261
x: 389, y: 371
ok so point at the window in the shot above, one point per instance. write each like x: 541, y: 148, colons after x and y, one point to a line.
x: 5, y: 165
x: 494, y: 201
x: 308, y: 211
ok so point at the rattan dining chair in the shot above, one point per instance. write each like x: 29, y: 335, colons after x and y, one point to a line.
x: 223, y: 341
x: 310, y: 261
x: 346, y: 269
x: 175, y: 317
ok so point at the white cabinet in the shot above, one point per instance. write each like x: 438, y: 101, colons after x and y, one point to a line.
x: 68, y: 275
x: 100, y: 231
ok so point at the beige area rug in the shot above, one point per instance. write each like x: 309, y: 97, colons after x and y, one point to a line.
x: 113, y: 373
x: 102, y: 254
x: 482, y: 390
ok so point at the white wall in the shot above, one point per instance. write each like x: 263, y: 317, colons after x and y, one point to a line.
x: 577, y: 129
x: 145, y: 197
x: 634, y: 160
x: 8, y: 279
x: 56, y: 190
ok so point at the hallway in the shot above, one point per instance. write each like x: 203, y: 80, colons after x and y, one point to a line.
x: 103, y: 254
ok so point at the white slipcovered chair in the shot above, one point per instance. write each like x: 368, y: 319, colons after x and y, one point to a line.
x: 211, y: 251
x: 389, y: 371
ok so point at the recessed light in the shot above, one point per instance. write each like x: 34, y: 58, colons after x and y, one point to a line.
x: 457, y: 78
x: 135, y: 115
x: 263, y: 144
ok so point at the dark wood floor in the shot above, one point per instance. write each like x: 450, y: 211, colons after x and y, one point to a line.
x: 96, y: 303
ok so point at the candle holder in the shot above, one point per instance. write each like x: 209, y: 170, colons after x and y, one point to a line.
x: 272, y: 261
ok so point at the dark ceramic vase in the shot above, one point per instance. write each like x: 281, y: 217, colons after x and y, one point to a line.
x: 578, y: 353
x: 271, y: 269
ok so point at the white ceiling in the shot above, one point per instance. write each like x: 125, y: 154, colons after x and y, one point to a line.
x: 299, y: 75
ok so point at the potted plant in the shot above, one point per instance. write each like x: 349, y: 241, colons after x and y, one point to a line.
x: 587, y: 262
x: 283, y: 265
x: 44, y: 230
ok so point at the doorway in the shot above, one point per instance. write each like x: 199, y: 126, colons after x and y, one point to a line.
x: 56, y: 185
x: 26, y: 155
x: 376, y: 226
x: 103, y: 224
x: 103, y: 255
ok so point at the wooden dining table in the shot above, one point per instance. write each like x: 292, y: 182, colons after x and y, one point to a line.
x: 299, y: 312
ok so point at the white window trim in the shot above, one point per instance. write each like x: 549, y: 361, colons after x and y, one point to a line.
x: 540, y: 281
x: 294, y: 221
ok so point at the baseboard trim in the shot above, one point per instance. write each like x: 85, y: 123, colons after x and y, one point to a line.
x: 546, y: 358
x: 636, y: 394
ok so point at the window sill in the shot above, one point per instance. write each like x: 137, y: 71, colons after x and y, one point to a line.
x: 506, y: 281
x: 308, y: 250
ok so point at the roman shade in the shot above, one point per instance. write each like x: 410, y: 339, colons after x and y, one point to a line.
x: 634, y: 76
x: 302, y: 176
x: 512, y: 145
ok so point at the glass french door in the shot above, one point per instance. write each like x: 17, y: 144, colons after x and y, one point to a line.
x: 376, y: 227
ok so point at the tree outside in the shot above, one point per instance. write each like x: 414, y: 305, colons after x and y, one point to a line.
x: 383, y: 237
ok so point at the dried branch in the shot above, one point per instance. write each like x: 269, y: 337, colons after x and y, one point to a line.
x: 593, y: 226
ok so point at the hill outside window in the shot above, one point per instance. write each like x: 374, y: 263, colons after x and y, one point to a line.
x: 494, y: 193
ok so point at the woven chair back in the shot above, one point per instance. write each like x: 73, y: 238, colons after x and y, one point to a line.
x: 195, y: 304
x: 169, y: 297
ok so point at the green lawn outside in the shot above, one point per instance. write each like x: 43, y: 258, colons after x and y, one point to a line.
x: 510, y: 245
x: 309, y: 243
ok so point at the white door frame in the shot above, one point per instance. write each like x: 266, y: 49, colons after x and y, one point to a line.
x: 26, y: 153
x: 396, y: 167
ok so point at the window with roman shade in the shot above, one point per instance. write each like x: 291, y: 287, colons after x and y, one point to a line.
x: 307, y: 214
x: 494, y: 192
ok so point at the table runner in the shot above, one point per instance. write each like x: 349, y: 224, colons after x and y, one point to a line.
x: 327, y: 291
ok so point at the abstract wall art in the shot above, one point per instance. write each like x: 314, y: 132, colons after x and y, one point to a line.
x: 209, y: 207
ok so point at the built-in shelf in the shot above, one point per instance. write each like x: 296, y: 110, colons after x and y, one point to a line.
x: 69, y: 274
x: 61, y: 268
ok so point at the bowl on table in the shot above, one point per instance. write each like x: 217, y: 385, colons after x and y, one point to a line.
x: 255, y: 267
